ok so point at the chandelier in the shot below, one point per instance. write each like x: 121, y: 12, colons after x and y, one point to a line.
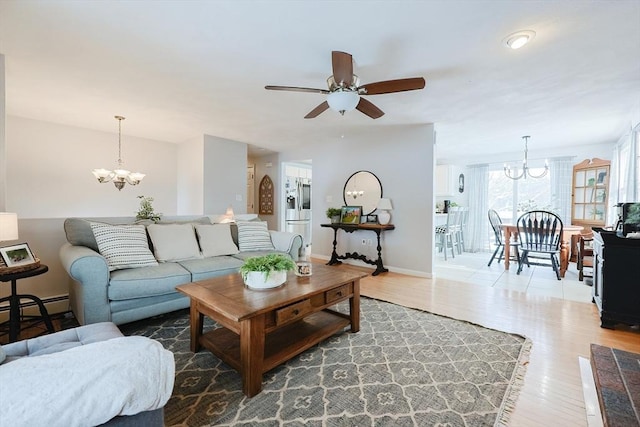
x: 119, y: 176
x: 525, y: 166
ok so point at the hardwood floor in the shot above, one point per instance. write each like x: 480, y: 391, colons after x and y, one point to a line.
x: 560, y: 329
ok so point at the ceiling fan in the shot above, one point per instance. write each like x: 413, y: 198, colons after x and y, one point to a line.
x: 345, y: 92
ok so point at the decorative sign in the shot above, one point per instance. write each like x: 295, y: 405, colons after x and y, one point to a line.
x: 266, y: 196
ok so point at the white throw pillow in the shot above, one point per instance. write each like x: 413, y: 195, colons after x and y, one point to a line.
x: 3, y: 355
x: 254, y: 236
x: 174, y: 242
x: 216, y: 240
x: 123, y: 246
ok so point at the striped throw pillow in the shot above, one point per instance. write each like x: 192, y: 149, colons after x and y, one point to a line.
x: 254, y: 236
x: 123, y: 246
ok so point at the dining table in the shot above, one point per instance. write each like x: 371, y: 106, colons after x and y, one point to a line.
x: 510, y: 232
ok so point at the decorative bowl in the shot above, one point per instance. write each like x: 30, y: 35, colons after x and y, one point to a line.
x: 257, y: 280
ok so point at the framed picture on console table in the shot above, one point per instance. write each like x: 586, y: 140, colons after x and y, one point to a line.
x: 17, y: 255
x: 350, y: 214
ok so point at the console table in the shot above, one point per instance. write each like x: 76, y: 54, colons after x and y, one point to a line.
x: 350, y: 228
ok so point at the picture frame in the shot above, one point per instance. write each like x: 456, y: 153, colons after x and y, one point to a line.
x: 350, y: 214
x: 17, y: 255
x: 371, y: 219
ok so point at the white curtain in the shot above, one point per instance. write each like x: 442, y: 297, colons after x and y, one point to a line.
x: 561, y: 177
x: 476, y: 235
x: 624, y: 185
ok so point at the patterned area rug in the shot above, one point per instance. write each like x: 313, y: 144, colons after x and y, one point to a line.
x: 404, y: 368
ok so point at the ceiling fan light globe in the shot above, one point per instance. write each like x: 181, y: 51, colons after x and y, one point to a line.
x: 342, y: 101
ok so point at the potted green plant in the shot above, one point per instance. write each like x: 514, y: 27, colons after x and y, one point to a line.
x: 146, y: 211
x: 334, y: 214
x: 267, y: 271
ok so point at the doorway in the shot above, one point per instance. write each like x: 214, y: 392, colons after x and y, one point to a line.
x: 296, y: 198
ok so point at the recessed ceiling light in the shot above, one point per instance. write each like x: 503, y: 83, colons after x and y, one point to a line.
x: 519, y: 39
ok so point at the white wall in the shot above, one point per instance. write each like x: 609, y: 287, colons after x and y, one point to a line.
x: 402, y: 158
x: 3, y: 162
x: 270, y: 165
x: 225, y: 175
x: 49, y: 171
x: 190, y: 177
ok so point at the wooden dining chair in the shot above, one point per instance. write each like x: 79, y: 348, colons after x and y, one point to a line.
x: 496, y: 226
x: 584, y: 260
x: 540, y: 237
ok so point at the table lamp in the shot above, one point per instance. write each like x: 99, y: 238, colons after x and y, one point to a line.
x: 8, y: 226
x: 384, y: 206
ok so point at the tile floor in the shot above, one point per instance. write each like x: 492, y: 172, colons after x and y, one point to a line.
x: 472, y: 267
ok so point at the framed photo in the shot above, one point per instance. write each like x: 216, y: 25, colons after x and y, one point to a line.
x: 371, y: 219
x: 17, y: 255
x: 350, y: 214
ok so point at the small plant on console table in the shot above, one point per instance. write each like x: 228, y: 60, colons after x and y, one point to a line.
x: 146, y: 211
x: 334, y: 214
x: 268, y: 271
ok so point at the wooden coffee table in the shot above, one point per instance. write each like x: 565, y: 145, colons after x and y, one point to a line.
x: 264, y: 328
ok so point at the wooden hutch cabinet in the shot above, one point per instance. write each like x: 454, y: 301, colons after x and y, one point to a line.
x: 589, y: 193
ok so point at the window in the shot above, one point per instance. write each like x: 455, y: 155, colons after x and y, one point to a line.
x: 512, y: 198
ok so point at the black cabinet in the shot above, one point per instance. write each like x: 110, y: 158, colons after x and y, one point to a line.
x: 616, y: 282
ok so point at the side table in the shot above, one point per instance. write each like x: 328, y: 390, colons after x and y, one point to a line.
x: 14, y: 301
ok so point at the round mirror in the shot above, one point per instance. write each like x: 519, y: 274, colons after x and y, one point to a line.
x: 363, y: 189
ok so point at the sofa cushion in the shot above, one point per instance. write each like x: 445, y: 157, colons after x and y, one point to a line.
x: 254, y: 236
x: 174, y: 242
x: 62, y: 340
x: 144, y: 282
x: 211, y: 267
x: 250, y: 254
x: 123, y: 246
x: 79, y: 233
x: 215, y: 240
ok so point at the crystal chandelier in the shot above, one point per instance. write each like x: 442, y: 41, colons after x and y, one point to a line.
x: 525, y: 166
x: 119, y: 176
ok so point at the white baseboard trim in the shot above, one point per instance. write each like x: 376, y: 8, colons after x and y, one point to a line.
x: 594, y: 416
x: 390, y: 267
x: 54, y: 304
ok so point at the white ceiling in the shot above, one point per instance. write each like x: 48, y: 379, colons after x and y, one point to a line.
x: 178, y: 69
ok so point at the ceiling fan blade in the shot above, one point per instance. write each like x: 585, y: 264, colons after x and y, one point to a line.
x: 297, y: 89
x: 342, y: 63
x: 316, y: 111
x: 391, y: 86
x: 369, y: 109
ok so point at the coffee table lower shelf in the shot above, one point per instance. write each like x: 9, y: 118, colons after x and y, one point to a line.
x: 281, y: 344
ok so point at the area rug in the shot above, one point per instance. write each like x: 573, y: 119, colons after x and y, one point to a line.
x: 405, y: 367
x: 617, y: 376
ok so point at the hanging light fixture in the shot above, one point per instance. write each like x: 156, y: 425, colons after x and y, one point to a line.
x: 119, y: 176
x: 343, y: 98
x: 525, y: 166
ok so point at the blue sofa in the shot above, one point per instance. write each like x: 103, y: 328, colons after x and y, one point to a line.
x: 124, y: 295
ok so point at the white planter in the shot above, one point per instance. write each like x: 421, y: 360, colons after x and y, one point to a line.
x: 256, y: 280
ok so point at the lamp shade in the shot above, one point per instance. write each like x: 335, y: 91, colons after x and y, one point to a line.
x: 343, y: 100
x: 384, y: 204
x: 8, y: 226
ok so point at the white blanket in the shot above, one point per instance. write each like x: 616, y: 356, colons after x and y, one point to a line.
x: 86, y: 385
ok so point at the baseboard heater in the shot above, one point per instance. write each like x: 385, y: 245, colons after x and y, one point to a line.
x: 5, y: 307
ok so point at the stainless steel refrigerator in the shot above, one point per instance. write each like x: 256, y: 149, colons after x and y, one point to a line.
x: 298, y: 212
